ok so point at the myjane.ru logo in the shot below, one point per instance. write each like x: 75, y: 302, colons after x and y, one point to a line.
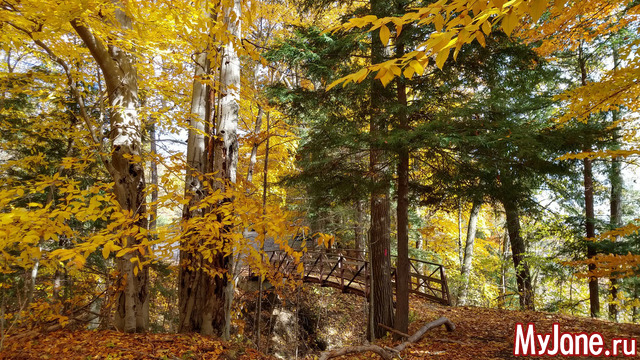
x: 528, y: 342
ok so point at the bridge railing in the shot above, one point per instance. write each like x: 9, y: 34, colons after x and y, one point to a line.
x: 349, y: 271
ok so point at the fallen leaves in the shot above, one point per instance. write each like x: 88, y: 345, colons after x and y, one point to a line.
x: 95, y: 345
x: 480, y: 333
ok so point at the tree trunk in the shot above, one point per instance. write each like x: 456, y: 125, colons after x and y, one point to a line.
x: 358, y: 230
x: 254, y: 149
x: 594, y: 299
x: 503, y: 271
x: 153, y: 216
x: 617, y: 185
x: 523, y: 276
x: 381, y: 304
x: 125, y: 168
x: 468, y: 252
x: 460, y: 250
x: 265, y: 190
x: 225, y: 162
x: 195, y: 285
x: 205, y: 299
x: 402, y: 214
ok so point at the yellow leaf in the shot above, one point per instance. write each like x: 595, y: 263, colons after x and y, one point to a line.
x: 509, y: 22
x: 480, y: 38
x: 106, y: 249
x: 381, y: 73
x: 361, y: 75
x: 537, y: 9
x: 79, y: 261
x: 442, y: 57
x: 386, y: 79
x: 336, y: 82
x: 408, y: 72
x: 419, y: 69
x: 384, y: 34
x: 439, y: 22
x: 486, y: 27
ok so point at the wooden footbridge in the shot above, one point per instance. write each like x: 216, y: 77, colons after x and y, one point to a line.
x: 351, y: 273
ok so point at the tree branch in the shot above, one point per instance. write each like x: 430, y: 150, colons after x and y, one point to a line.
x: 389, y: 353
x: 72, y: 86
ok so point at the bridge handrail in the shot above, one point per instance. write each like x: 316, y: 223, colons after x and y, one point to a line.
x: 339, y: 264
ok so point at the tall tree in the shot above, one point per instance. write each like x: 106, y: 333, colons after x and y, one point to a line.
x: 590, y: 221
x: 381, y: 303
x: 615, y: 214
x: 206, y: 291
x: 119, y: 68
x: 194, y: 280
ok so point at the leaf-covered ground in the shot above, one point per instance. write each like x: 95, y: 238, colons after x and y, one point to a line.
x: 483, y: 333
x: 85, y: 345
x: 480, y: 334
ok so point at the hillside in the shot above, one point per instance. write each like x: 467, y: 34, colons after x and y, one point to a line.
x: 480, y: 333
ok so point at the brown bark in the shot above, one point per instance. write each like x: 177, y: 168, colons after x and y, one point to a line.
x: 381, y: 297
x: 617, y: 185
x: 468, y: 252
x: 118, y: 67
x: 358, y: 231
x: 402, y: 214
x: 503, y: 271
x: 590, y: 227
x: 523, y: 276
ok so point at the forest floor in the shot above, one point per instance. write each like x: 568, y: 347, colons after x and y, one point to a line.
x: 480, y: 334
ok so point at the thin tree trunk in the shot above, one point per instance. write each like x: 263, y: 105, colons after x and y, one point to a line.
x: 594, y: 298
x: 153, y: 216
x: 635, y: 314
x: 616, y: 200
x: 468, y: 252
x: 358, y: 230
x: 254, y: 149
x: 402, y: 214
x: 118, y: 67
x: 265, y: 190
x: 523, y: 275
x: 503, y: 271
x: 460, y: 250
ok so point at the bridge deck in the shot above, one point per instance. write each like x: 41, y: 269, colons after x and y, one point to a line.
x: 351, y: 274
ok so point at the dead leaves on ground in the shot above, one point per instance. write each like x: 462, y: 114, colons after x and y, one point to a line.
x: 94, y: 345
x: 480, y: 333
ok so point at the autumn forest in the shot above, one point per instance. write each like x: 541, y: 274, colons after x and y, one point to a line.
x: 240, y: 179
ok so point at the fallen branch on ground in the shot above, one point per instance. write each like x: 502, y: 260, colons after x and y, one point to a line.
x: 390, y: 353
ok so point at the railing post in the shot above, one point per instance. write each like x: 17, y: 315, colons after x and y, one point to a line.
x: 341, y: 266
x: 445, y: 286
